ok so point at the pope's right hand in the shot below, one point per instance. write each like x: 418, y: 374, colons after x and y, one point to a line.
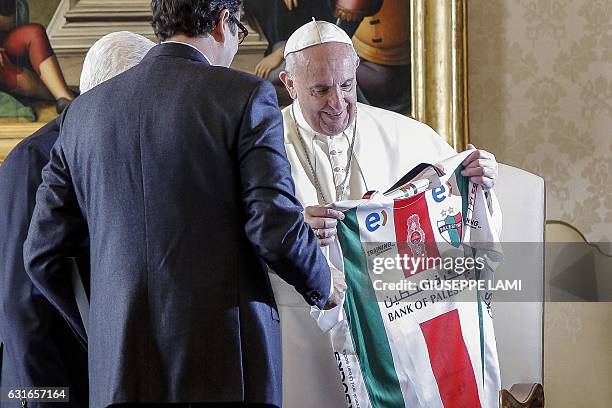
x: 339, y: 283
x: 323, y: 221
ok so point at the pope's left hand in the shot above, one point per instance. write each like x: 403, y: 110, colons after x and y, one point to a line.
x: 481, y: 167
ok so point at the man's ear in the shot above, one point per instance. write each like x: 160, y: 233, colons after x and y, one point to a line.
x: 218, y: 32
x: 289, y: 83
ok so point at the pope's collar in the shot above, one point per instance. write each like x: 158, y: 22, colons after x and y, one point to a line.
x: 301, y: 122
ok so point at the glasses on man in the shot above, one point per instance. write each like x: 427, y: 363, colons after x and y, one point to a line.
x: 242, y: 30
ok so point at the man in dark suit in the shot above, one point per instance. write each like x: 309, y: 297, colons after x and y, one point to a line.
x: 38, y: 347
x: 176, y: 173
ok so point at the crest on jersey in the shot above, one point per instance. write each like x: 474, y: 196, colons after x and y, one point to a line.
x: 451, y: 229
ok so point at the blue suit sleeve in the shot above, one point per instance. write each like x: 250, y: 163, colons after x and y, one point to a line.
x: 57, y: 231
x: 275, y: 223
x: 27, y: 319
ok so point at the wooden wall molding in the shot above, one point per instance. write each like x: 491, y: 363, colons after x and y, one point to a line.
x: 77, y: 24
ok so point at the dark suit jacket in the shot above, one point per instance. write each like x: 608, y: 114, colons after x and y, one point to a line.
x: 39, y: 348
x: 176, y: 171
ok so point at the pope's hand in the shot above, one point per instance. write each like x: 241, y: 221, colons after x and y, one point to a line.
x: 339, y: 289
x: 323, y: 221
x: 481, y: 167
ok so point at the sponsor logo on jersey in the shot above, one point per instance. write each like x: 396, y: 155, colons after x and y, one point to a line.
x: 375, y: 220
x: 472, y: 223
x: 441, y: 193
x: 380, y: 249
x: 472, y: 198
x: 343, y: 380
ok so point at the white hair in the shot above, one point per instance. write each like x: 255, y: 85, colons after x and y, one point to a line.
x: 111, y: 55
x: 291, y: 62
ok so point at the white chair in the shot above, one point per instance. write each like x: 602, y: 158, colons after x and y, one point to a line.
x: 519, y: 325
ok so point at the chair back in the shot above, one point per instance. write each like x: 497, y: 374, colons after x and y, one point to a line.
x: 519, y: 324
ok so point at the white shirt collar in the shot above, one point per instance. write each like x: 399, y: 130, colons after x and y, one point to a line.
x: 195, y: 48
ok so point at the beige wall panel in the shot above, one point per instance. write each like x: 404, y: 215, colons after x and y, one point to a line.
x: 540, y: 92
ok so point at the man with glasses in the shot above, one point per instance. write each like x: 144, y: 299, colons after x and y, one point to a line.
x: 184, y: 190
x: 243, y: 32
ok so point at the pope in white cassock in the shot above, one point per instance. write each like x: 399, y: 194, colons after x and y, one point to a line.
x: 340, y: 149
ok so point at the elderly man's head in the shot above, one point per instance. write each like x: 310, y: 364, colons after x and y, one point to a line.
x: 111, y: 55
x: 322, y: 77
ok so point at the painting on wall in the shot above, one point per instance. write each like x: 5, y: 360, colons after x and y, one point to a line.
x: 32, y: 86
x: 399, y: 68
x: 380, y: 30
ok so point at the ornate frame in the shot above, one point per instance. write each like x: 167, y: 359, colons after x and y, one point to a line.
x: 439, y: 67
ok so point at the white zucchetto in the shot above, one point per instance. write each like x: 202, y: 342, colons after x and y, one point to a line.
x: 314, y: 33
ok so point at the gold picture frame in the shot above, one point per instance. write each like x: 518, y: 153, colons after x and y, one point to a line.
x: 439, y: 68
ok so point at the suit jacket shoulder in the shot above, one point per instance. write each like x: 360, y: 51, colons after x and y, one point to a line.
x: 39, y: 144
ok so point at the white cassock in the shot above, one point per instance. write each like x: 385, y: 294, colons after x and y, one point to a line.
x: 387, y: 145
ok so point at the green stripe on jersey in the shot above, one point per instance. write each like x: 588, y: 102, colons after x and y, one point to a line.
x: 464, y: 185
x: 365, y: 322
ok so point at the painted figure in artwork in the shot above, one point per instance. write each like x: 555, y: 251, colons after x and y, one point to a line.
x: 380, y: 30
x: 381, y: 34
x: 28, y: 65
x: 277, y: 20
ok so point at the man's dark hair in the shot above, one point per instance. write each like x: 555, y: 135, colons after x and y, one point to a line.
x: 194, y: 18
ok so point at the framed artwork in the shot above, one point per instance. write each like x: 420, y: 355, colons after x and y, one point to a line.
x: 434, y: 86
x: 32, y: 85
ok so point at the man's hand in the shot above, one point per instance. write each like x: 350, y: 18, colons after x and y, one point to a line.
x: 291, y: 4
x: 323, y: 221
x: 481, y: 167
x: 339, y: 289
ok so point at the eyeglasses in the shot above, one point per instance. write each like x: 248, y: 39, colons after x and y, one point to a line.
x: 242, y: 30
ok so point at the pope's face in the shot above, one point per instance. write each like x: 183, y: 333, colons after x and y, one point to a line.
x: 326, y: 87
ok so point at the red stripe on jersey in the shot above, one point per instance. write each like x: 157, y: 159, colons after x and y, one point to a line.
x: 450, y: 361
